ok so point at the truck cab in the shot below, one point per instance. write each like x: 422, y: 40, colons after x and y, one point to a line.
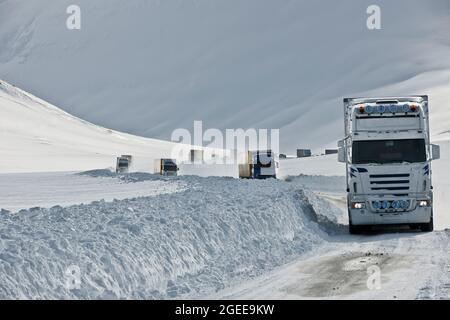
x: 388, y: 156
x: 166, y: 167
x: 123, y: 163
x: 264, y: 164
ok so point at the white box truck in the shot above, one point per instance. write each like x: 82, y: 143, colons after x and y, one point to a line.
x: 388, y: 155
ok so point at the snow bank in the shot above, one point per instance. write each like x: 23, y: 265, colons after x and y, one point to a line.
x: 185, y: 244
x: 209, y: 170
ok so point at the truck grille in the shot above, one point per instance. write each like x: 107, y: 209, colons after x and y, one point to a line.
x: 390, y: 182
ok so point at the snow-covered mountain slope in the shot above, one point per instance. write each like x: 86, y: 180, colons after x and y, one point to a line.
x: 36, y: 136
x: 150, y: 66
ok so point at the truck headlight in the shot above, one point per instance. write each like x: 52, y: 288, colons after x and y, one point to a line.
x: 396, y: 204
x: 358, y: 205
x: 424, y: 203
x: 376, y: 205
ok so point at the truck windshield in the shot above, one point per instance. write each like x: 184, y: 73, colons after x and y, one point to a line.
x: 389, y: 151
x: 264, y: 160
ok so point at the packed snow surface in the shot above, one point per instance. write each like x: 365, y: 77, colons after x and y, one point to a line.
x: 411, y: 265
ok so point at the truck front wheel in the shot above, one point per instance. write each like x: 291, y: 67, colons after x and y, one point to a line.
x: 427, y: 227
x: 356, y: 229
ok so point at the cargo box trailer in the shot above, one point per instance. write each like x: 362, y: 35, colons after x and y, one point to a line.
x: 245, y: 171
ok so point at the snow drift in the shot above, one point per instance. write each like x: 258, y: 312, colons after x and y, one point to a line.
x: 184, y: 244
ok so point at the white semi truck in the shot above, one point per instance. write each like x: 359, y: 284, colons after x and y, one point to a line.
x: 388, y: 155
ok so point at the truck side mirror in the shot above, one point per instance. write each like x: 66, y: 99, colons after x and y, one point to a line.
x: 341, y: 155
x: 341, y: 151
x: 435, y: 152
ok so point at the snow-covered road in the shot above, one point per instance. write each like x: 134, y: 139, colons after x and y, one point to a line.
x: 411, y: 264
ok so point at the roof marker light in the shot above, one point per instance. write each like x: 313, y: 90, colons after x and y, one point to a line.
x: 381, y: 109
x: 413, y: 108
x: 369, y: 109
x: 406, y: 108
x: 361, y: 109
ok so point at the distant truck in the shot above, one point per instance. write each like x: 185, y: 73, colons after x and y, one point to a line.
x: 123, y: 163
x: 166, y: 167
x: 196, y: 156
x: 303, y: 153
x: 259, y: 165
x: 388, y: 154
x: 265, y: 165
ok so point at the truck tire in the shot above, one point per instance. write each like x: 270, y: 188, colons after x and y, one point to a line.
x: 356, y: 229
x: 427, y: 227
